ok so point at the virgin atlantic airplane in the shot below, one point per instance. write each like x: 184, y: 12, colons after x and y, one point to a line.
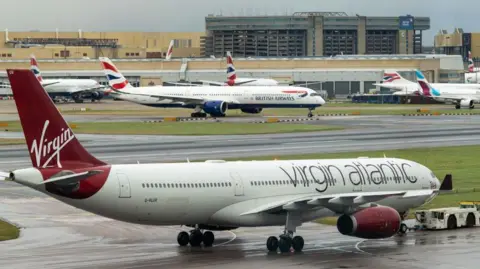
x: 371, y: 195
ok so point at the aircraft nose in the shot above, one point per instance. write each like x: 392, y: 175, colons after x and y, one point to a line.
x: 320, y: 100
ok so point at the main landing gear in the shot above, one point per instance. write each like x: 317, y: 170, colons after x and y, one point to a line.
x: 196, y: 238
x: 198, y: 113
x: 286, y: 241
x: 310, y: 114
x: 403, y: 227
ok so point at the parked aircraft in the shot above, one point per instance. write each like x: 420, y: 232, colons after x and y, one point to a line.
x: 473, y: 72
x: 169, y: 50
x: 212, y: 100
x: 232, y: 79
x: 401, y: 86
x: 463, y: 98
x: 77, y: 89
x: 371, y: 195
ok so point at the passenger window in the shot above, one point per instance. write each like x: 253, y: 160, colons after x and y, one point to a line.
x: 156, y: 185
x: 143, y: 185
x: 164, y: 185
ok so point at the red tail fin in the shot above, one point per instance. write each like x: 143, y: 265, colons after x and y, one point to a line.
x: 50, y: 141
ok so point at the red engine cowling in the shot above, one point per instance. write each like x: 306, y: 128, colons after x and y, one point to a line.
x: 370, y: 223
x: 231, y: 82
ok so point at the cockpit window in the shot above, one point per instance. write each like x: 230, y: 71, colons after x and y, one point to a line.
x: 432, y: 174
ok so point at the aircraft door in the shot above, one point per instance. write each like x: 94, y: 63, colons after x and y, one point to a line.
x: 124, y: 186
x: 238, y: 183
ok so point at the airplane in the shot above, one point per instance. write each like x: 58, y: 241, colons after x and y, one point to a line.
x: 473, y: 72
x: 213, y: 100
x: 169, y: 51
x: 401, y: 86
x: 232, y: 79
x: 463, y: 98
x: 77, y: 89
x: 371, y: 195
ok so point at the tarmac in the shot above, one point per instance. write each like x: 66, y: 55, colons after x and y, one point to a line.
x: 55, y: 235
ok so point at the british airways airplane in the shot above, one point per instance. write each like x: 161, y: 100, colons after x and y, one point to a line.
x: 77, y: 89
x: 232, y: 79
x: 371, y: 195
x: 212, y: 100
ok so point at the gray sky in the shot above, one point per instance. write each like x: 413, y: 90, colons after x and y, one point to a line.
x: 188, y: 15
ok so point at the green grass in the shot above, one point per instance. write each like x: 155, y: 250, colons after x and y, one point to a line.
x: 364, y: 109
x: 460, y: 161
x: 186, y: 128
x: 11, y: 141
x: 8, y: 231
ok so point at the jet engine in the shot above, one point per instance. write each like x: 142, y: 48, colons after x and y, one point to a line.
x: 370, y: 223
x: 97, y: 95
x: 215, y: 108
x: 255, y: 110
x: 465, y: 104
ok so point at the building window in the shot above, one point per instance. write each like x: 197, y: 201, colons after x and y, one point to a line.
x: 84, y: 55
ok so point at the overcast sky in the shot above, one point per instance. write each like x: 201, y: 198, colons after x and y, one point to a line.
x: 188, y: 15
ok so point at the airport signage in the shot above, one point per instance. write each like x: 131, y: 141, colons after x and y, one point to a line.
x: 405, y: 22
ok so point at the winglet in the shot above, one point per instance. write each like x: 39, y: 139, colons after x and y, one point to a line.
x: 447, y: 184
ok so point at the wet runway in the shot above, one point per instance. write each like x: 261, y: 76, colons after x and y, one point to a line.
x: 56, y: 235
x: 133, y: 149
x: 59, y: 236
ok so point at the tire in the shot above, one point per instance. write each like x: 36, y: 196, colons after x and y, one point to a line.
x: 470, y: 220
x: 298, y: 243
x: 183, y: 239
x: 195, y: 238
x: 272, y: 244
x: 208, y: 238
x: 452, y: 222
x: 284, y: 244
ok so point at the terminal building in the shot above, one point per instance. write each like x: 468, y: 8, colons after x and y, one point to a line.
x: 458, y: 42
x: 326, y: 51
x: 313, y: 34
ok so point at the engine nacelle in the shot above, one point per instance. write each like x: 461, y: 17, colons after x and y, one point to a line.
x: 215, y: 108
x: 370, y: 223
x: 231, y: 82
x: 466, y: 103
x: 255, y: 110
x: 97, y: 95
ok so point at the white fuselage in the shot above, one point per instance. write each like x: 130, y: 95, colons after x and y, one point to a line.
x: 257, y: 82
x: 455, y: 94
x: 223, y: 193
x: 472, y: 77
x: 239, y: 96
x: 412, y: 87
x: 68, y: 86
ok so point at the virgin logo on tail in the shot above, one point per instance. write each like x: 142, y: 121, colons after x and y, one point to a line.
x: 51, y: 148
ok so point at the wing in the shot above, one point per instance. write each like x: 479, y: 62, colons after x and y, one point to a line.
x: 334, y: 202
x: 4, y: 175
x: 182, y: 99
x: 90, y: 89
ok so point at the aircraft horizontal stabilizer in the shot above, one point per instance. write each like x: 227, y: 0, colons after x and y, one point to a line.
x: 72, y: 178
x: 309, y: 202
x: 4, y: 175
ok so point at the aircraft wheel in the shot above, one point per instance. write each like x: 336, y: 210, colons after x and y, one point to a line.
x: 272, y: 243
x: 403, y: 228
x: 208, y: 238
x: 298, y: 243
x: 183, y: 238
x: 196, y: 238
x: 284, y: 243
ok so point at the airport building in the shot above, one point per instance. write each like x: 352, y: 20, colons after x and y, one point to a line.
x: 312, y: 34
x: 458, y: 43
x: 78, y: 45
